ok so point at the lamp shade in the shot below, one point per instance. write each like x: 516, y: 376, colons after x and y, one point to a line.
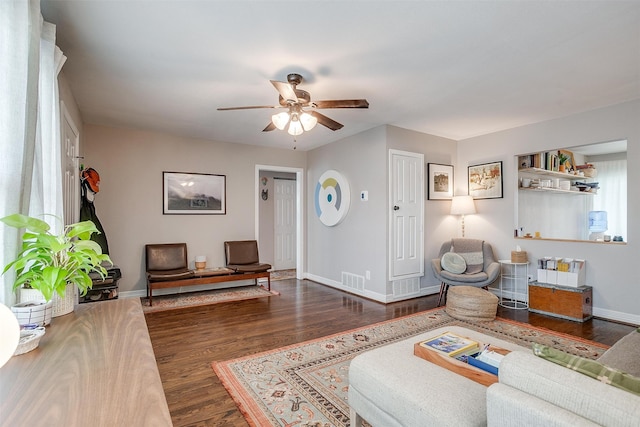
x: 295, y: 127
x: 462, y: 205
x: 308, y: 121
x: 280, y: 120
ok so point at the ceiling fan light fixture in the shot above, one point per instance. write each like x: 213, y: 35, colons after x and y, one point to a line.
x: 295, y: 127
x: 308, y: 121
x: 280, y: 120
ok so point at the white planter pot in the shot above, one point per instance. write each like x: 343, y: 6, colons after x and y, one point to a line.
x: 36, y: 312
x: 61, y: 306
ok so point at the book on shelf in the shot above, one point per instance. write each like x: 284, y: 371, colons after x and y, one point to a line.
x: 451, y: 344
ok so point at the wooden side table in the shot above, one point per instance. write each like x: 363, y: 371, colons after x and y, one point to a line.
x: 561, y: 301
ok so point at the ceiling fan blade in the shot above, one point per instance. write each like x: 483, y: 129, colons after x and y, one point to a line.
x: 342, y: 103
x: 326, y: 121
x: 249, y: 107
x: 285, y: 90
x: 269, y: 127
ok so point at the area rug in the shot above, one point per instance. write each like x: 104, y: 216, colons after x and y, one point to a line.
x: 280, y: 275
x: 194, y: 299
x: 306, y: 384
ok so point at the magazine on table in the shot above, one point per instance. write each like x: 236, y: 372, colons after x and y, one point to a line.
x: 451, y: 344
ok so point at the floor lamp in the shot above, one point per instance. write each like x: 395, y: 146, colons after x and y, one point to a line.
x: 462, y: 205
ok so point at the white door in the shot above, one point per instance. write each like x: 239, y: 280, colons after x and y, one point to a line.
x: 406, y: 224
x: 70, y: 147
x: 285, y: 224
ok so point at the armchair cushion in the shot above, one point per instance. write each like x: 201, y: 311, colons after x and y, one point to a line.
x: 472, y: 252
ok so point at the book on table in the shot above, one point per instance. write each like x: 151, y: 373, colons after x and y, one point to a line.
x: 451, y: 344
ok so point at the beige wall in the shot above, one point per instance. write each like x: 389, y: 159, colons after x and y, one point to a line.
x: 129, y: 204
x: 610, y: 269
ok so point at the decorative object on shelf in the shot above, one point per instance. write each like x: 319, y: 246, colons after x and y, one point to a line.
x: 201, y: 262
x: 440, y: 181
x: 562, y: 160
x: 462, y: 205
x: 485, y: 181
x: 332, y: 198
x: 48, y: 263
x: 186, y: 193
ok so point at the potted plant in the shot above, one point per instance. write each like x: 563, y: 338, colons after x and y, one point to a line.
x: 49, y: 262
x: 562, y: 159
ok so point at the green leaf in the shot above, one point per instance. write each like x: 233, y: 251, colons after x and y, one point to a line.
x: 23, y: 221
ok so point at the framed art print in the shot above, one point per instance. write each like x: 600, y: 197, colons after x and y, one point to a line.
x: 193, y: 194
x: 440, y: 182
x: 485, y: 181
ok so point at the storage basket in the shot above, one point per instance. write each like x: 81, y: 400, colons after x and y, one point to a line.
x: 66, y: 304
x: 29, y: 340
x: 589, y: 172
x: 519, y: 256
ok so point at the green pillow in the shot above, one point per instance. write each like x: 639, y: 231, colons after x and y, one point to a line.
x: 590, y: 368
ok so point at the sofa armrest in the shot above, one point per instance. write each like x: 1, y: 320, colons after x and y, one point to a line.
x: 598, y: 402
x: 509, y: 407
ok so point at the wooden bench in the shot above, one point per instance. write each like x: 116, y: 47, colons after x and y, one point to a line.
x: 167, y: 266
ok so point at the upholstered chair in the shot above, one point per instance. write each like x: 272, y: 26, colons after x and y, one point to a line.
x: 467, y: 262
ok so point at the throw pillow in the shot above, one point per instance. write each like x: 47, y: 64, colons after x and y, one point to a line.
x: 590, y: 368
x: 453, y: 263
x: 624, y: 354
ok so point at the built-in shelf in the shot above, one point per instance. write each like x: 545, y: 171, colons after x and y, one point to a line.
x: 554, y: 174
x: 557, y: 190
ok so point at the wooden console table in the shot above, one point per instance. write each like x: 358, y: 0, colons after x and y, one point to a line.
x: 93, y: 367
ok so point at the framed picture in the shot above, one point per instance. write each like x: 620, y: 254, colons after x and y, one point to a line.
x: 193, y: 194
x: 440, y: 185
x: 485, y: 181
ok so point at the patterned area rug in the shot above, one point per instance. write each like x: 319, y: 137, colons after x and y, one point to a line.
x: 194, y: 299
x: 306, y: 384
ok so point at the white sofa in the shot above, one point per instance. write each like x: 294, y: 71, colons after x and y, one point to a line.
x: 388, y: 386
x: 535, y: 392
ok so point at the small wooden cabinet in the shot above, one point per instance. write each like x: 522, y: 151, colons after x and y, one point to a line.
x: 561, y: 301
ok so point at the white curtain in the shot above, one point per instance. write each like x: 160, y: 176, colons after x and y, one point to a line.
x: 612, y: 196
x: 30, y: 166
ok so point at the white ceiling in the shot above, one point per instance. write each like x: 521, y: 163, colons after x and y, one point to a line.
x: 453, y: 69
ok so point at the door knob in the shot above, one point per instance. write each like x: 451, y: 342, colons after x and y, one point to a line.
x: 395, y: 208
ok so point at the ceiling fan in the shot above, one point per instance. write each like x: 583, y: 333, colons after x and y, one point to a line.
x: 301, y: 113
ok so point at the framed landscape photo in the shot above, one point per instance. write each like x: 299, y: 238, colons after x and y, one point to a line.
x: 485, y: 181
x: 440, y: 181
x: 187, y: 193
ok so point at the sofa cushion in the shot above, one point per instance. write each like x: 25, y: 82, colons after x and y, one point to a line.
x: 591, y: 368
x: 453, y: 263
x: 624, y: 354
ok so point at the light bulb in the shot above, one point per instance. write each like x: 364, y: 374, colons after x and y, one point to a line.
x: 308, y: 121
x: 280, y: 120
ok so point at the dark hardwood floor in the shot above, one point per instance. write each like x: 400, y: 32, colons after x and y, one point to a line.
x: 186, y: 341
